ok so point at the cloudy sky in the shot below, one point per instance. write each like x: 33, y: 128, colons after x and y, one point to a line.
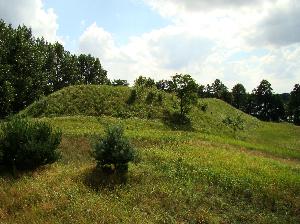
x: 233, y: 40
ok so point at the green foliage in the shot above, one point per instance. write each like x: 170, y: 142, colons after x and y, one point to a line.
x: 95, y: 100
x: 203, y: 106
x: 114, y: 150
x: 7, y: 98
x: 190, y: 176
x: 31, y: 67
x: 160, y: 98
x: 239, y: 96
x: 150, y: 97
x: 177, y: 121
x: 133, y: 96
x: 185, y: 89
x: 264, y: 105
x: 236, y: 123
x: 27, y: 145
x: 164, y: 85
x: 294, y: 105
x: 218, y: 90
x: 120, y: 82
x: 144, y: 82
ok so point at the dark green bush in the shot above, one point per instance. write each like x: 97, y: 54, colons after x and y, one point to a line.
x: 176, y: 118
x: 150, y: 97
x: 203, y: 107
x: 159, y: 98
x: 113, y: 151
x: 26, y: 145
x: 236, y: 123
x: 132, y: 98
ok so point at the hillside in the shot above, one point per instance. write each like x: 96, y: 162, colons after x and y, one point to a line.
x: 207, y: 174
x: 103, y: 100
x: 96, y: 100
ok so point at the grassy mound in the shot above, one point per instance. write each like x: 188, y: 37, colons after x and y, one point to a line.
x: 112, y: 101
x: 95, y: 100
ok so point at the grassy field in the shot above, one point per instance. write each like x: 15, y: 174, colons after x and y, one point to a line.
x: 181, y: 177
x: 208, y: 174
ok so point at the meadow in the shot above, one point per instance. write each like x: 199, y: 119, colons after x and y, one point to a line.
x: 207, y: 173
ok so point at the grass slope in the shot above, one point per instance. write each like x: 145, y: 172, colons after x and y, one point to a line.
x: 207, y: 175
x: 93, y: 100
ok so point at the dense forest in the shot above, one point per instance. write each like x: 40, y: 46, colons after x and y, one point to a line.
x: 31, y: 68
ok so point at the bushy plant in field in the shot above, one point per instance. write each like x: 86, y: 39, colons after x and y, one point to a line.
x: 133, y: 96
x: 150, y: 97
x: 27, y: 145
x: 113, y: 152
x: 236, y: 123
x: 203, y: 107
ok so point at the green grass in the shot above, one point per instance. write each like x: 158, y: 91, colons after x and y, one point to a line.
x: 182, y: 177
x: 209, y: 174
x: 93, y: 100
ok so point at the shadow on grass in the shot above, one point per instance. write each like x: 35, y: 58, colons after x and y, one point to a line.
x: 177, y: 121
x: 97, y: 179
x: 14, y: 174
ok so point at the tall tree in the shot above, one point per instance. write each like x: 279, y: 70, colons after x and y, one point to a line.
x: 201, y: 91
x: 294, y: 105
x: 164, y: 85
x: 91, y: 70
x: 277, y: 111
x: 220, y: 91
x: 263, y: 96
x: 6, y: 88
x: 185, y: 89
x: 266, y: 106
x: 239, y: 96
x: 144, y: 82
x: 30, y: 68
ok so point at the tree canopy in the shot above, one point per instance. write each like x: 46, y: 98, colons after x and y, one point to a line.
x: 185, y: 88
x: 294, y: 105
x: 31, y: 67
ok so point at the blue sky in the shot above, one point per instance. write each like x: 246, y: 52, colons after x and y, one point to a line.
x: 122, y: 18
x: 232, y: 40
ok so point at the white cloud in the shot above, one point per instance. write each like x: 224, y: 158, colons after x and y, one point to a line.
x: 33, y: 14
x: 208, y: 44
x: 95, y: 40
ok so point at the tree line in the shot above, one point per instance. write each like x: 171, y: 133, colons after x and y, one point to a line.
x: 262, y: 102
x: 32, y: 67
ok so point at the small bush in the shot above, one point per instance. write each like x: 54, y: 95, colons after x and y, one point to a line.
x: 159, y: 98
x: 236, y: 123
x: 203, y: 107
x: 132, y: 98
x: 176, y: 118
x: 113, y: 152
x: 150, y: 97
x: 177, y: 121
x: 27, y: 145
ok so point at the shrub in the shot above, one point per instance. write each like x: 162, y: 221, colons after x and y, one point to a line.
x: 133, y: 96
x: 150, y: 97
x: 203, y: 107
x: 177, y: 121
x: 27, y: 145
x: 113, y: 152
x: 236, y: 123
x: 159, y: 98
